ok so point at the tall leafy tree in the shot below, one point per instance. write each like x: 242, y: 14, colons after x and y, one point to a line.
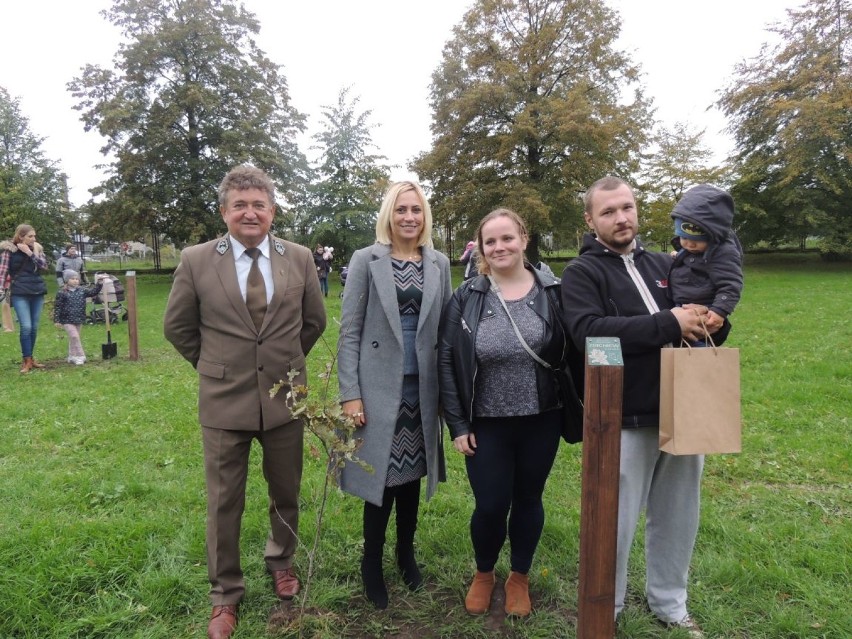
x: 679, y: 159
x: 351, y: 179
x: 33, y: 190
x: 531, y: 103
x: 190, y: 96
x: 791, y: 115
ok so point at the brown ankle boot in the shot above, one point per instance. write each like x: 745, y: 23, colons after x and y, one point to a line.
x: 518, y: 595
x: 27, y: 365
x: 478, y: 599
x: 36, y: 364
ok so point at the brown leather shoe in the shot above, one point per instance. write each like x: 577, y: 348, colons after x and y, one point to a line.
x: 285, y: 583
x: 478, y: 600
x: 26, y: 365
x: 37, y: 364
x: 223, y: 620
x: 518, y: 595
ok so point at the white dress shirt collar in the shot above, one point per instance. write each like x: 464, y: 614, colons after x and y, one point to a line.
x: 239, y: 249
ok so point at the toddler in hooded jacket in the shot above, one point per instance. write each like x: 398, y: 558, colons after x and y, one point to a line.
x: 707, y: 266
x: 69, y: 312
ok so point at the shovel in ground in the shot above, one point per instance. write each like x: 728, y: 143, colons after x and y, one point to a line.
x: 110, y: 349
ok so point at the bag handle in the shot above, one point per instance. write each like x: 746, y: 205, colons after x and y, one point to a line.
x: 706, y: 335
x: 523, y: 342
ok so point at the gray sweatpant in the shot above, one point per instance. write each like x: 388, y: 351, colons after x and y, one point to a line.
x: 669, y: 488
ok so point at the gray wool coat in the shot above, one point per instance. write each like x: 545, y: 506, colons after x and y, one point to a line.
x: 370, y: 363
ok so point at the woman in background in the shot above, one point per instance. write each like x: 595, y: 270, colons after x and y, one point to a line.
x: 21, y: 259
x: 323, y: 267
x: 387, y: 370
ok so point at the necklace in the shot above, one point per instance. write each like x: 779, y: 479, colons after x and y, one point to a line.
x: 415, y: 257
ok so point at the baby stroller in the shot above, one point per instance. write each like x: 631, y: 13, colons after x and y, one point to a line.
x: 111, y: 296
x: 343, y: 273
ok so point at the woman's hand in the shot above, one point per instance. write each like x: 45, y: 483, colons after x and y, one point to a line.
x: 465, y: 444
x: 24, y: 248
x: 354, y: 409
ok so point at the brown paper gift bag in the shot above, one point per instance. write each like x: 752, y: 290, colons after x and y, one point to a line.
x: 700, y: 400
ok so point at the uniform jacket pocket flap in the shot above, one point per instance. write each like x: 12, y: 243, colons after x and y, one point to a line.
x: 298, y: 364
x: 209, y: 369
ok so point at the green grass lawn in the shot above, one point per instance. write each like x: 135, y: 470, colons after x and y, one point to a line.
x: 103, y: 507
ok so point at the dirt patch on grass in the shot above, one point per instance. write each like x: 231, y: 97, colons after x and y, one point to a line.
x: 360, y: 621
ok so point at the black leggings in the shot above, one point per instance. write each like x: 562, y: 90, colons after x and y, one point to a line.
x: 507, y: 473
x: 407, y: 499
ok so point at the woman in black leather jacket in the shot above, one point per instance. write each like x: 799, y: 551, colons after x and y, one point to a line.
x: 501, y: 404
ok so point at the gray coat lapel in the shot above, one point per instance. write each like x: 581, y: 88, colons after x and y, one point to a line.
x: 431, y: 284
x: 381, y: 273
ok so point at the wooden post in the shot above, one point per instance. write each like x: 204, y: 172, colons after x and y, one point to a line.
x: 604, y: 380
x: 132, y: 322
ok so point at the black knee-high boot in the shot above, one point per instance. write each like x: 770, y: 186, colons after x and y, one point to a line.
x: 375, y: 525
x: 407, y: 505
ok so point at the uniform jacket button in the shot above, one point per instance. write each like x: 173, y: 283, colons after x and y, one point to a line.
x: 375, y: 344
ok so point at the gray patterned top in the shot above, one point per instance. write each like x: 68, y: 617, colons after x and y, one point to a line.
x: 506, y: 381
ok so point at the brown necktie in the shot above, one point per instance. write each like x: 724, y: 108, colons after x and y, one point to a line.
x: 255, y: 290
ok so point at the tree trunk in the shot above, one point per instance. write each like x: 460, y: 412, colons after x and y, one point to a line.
x: 533, y: 253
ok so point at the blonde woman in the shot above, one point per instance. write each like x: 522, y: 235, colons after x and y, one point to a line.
x: 387, y: 369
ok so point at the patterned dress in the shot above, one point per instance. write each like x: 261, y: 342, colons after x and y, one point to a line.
x: 408, y: 451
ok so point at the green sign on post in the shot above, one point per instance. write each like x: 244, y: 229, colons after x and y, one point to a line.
x: 604, y: 351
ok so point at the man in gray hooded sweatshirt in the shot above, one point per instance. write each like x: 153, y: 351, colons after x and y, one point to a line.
x: 707, y: 267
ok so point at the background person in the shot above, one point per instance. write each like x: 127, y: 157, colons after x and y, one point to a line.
x: 468, y: 259
x: 387, y: 371
x: 8, y: 322
x: 244, y: 310
x: 501, y: 406
x: 70, y: 261
x: 69, y: 311
x: 323, y: 267
x: 21, y: 260
x: 544, y: 268
x: 616, y: 288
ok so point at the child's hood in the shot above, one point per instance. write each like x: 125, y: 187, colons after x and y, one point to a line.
x: 709, y: 207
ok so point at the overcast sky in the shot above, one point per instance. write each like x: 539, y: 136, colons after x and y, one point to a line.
x: 386, y: 50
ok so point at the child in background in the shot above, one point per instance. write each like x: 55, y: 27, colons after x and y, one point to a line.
x: 707, y: 266
x: 69, y: 311
x: 469, y: 259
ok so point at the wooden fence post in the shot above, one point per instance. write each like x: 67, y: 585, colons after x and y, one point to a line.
x: 132, y: 321
x: 604, y: 380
